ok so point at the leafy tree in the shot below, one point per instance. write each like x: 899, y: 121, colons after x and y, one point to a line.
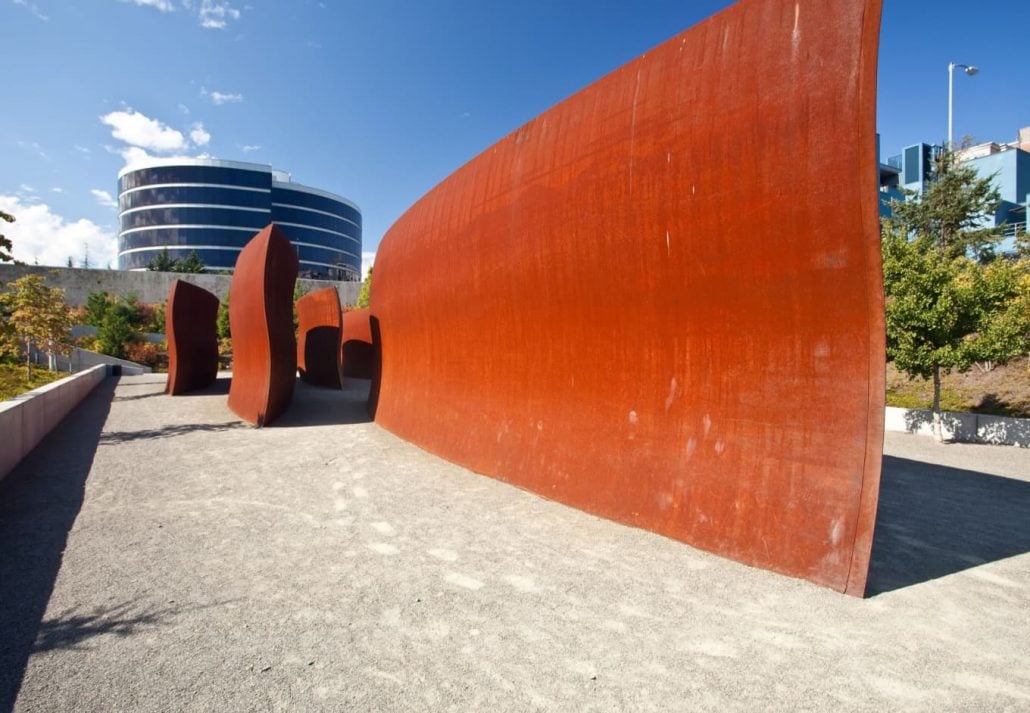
x: 224, y: 332
x: 949, y: 304
x: 951, y: 213
x: 366, y: 291
x: 37, y: 316
x: 298, y: 292
x: 6, y: 246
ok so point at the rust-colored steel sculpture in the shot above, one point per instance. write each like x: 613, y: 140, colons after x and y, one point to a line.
x: 357, y: 353
x: 319, y: 333
x: 191, y: 327
x: 660, y: 301
x: 261, y: 318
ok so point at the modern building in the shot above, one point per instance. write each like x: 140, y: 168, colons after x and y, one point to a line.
x: 1007, y: 163
x: 215, y: 207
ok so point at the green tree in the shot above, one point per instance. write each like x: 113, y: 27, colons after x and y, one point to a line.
x: 97, y: 304
x: 37, y: 316
x: 949, y: 304
x: 116, y: 330
x: 191, y: 263
x: 6, y: 246
x: 366, y: 291
x: 162, y: 263
x: 224, y: 332
x: 952, y: 213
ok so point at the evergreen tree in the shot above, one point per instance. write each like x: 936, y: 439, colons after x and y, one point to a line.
x: 97, y: 304
x: 162, y: 263
x: 191, y: 263
x: 6, y: 246
x: 952, y: 213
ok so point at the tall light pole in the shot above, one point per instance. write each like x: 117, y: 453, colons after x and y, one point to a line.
x: 968, y: 69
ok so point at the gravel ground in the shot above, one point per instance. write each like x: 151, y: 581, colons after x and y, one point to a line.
x: 158, y: 555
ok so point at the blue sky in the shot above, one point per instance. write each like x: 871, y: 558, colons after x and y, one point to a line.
x: 378, y: 100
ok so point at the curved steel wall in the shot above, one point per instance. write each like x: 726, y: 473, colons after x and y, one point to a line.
x: 661, y: 300
x: 215, y: 207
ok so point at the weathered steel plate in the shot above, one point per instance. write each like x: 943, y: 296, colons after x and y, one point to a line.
x: 264, y: 347
x: 191, y: 327
x: 660, y: 301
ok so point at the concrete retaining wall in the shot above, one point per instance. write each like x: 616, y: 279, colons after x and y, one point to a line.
x: 147, y: 286
x: 27, y: 418
x: 961, y: 427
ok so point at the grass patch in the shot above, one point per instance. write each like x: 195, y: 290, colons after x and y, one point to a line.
x: 13, y: 381
x: 1002, y: 391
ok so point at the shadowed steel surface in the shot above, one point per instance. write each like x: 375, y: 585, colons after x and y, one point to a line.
x: 661, y: 301
x: 318, y: 338
x: 357, y: 353
x: 191, y: 326
x: 261, y: 318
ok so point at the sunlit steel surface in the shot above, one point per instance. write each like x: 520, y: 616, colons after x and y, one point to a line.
x: 660, y: 301
x: 261, y: 319
x: 319, y: 337
x: 357, y: 345
x: 191, y: 328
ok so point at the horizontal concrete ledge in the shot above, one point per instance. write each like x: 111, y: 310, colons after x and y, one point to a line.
x: 28, y: 417
x: 961, y: 427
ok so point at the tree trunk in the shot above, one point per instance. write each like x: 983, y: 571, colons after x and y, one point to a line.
x: 938, y: 426
x: 28, y: 358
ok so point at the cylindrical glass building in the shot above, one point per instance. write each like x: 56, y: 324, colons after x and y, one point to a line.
x: 215, y: 207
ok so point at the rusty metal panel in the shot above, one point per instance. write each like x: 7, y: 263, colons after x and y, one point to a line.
x: 261, y: 318
x: 357, y: 355
x: 660, y: 301
x: 191, y: 328
x: 319, y: 334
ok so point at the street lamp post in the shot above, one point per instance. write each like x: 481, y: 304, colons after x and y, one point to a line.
x: 968, y: 69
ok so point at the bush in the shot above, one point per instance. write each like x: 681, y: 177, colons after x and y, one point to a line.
x: 147, y: 353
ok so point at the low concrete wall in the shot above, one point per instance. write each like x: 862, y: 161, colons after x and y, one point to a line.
x: 961, y: 427
x: 148, y: 286
x: 81, y: 359
x: 27, y: 418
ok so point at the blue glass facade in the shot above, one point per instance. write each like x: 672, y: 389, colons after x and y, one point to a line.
x: 215, y: 207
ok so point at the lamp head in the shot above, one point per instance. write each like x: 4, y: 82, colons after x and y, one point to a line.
x: 971, y: 70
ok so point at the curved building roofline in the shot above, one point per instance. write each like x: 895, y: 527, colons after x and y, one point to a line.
x: 291, y: 186
x: 181, y: 161
x: 242, y: 165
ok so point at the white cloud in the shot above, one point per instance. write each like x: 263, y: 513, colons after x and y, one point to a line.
x: 367, y: 258
x: 57, y: 189
x: 31, y: 7
x: 82, y: 149
x: 40, y: 234
x: 134, y: 155
x: 162, y: 5
x: 212, y: 14
x: 219, y: 98
x: 184, y: 109
x: 216, y: 15
x: 198, y: 135
x: 34, y: 148
x: 104, y: 198
x: 140, y: 130
x: 251, y: 147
